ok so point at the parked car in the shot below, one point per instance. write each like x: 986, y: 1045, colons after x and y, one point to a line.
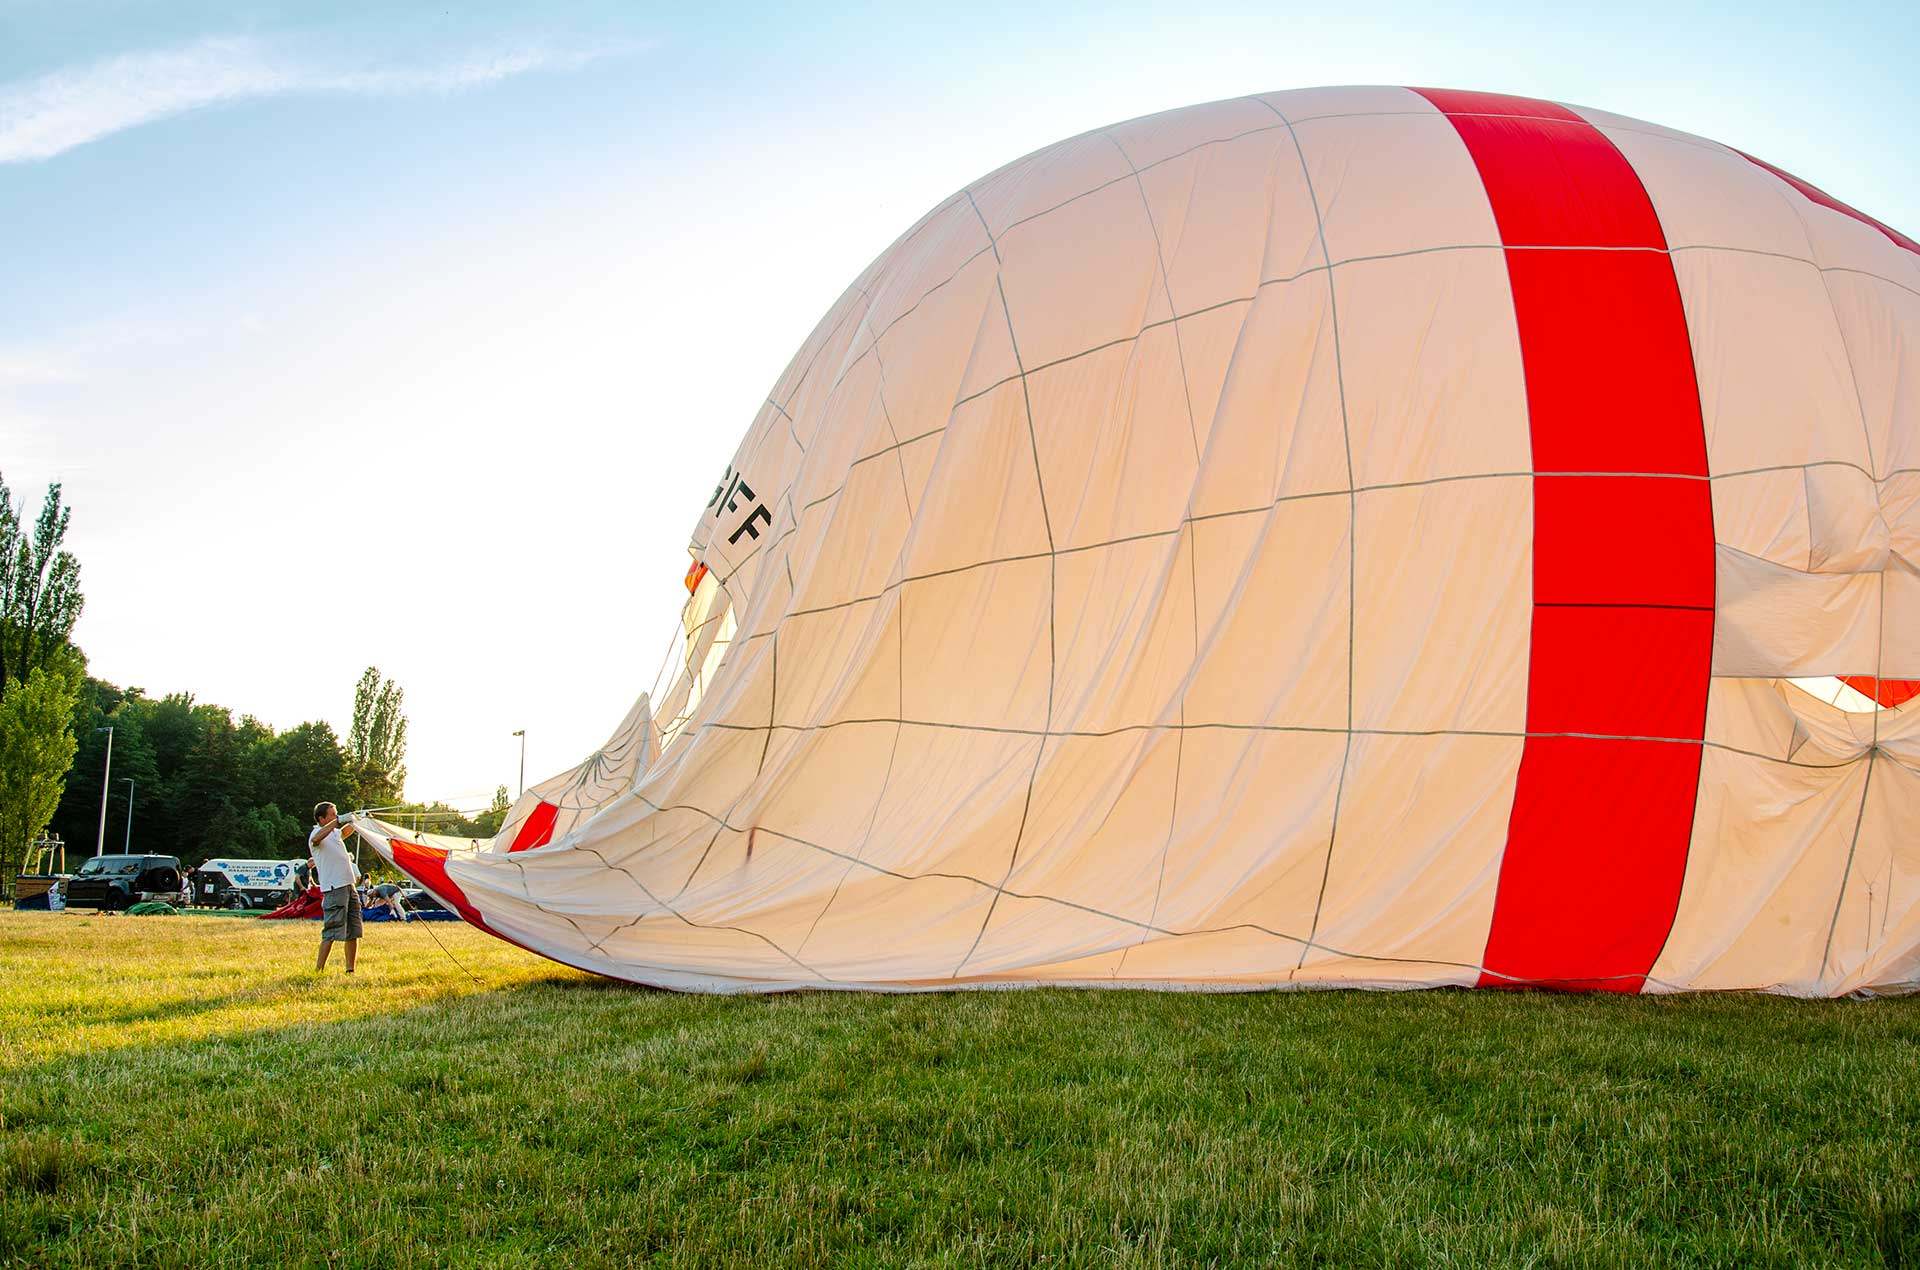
x: 243, y: 884
x: 118, y: 882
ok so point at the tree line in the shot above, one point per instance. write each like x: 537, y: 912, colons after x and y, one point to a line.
x: 206, y: 784
x: 198, y: 782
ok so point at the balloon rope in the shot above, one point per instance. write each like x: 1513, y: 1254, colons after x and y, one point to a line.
x: 450, y: 957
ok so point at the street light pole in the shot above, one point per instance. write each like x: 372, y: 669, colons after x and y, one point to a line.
x: 129, y: 847
x: 106, y: 784
x: 522, y: 734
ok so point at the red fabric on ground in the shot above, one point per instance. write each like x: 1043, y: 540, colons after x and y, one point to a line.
x: 307, y: 905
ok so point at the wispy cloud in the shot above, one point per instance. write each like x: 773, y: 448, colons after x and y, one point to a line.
x: 79, y: 353
x: 26, y: 367
x: 53, y: 113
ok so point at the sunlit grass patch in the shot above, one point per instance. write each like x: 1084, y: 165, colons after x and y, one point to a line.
x: 186, y: 1090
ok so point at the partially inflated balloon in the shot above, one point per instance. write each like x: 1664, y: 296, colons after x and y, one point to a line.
x: 1356, y: 536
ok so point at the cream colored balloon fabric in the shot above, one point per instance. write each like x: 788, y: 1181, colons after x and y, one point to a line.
x: 1137, y: 578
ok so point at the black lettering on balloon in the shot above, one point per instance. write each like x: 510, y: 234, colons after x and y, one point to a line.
x: 727, y: 496
x: 759, y: 512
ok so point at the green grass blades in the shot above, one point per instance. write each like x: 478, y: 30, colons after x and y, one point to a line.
x: 186, y: 1091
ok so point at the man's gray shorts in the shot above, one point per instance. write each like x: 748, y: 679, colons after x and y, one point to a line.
x: 339, y: 914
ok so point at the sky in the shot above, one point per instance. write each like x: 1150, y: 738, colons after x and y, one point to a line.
x: 373, y: 334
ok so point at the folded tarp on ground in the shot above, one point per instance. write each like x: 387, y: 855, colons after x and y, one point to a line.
x: 413, y: 915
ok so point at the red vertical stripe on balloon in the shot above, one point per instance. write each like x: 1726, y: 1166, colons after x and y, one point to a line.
x: 536, y: 830
x: 1623, y: 551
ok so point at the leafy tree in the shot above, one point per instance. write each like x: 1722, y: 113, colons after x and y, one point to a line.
x: 39, y: 587
x: 488, y: 822
x: 36, y: 748
x: 208, y: 786
x: 306, y: 766
x: 255, y: 832
x: 377, y: 741
x: 127, y: 712
x: 209, y: 773
x: 213, y: 785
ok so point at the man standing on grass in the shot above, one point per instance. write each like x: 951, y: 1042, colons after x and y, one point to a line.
x: 339, y: 901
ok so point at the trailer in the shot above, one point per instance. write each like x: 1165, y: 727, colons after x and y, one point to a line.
x: 243, y: 884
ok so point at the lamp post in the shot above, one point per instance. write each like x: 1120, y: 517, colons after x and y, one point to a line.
x: 128, y: 849
x: 522, y: 734
x: 106, y: 783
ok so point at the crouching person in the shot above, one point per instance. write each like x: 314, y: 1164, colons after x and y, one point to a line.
x: 334, y: 871
x: 387, y: 895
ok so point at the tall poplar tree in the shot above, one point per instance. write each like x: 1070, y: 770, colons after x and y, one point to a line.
x: 39, y: 587
x: 377, y: 741
x: 36, y: 748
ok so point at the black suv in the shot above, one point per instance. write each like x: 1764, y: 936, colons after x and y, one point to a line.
x: 116, y: 882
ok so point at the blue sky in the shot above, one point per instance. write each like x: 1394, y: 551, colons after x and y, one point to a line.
x: 439, y: 307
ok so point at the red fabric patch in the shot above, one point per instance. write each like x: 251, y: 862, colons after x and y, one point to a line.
x: 536, y: 830
x: 1555, y: 182
x: 1888, y: 692
x: 1591, y: 314
x: 1592, y: 874
x: 1622, y: 540
x: 1458, y: 101
x: 1623, y: 551
x: 428, y: 866
x: 695, y: 572
x: 1587, y: 672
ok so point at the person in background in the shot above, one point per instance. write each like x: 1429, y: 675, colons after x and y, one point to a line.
x: 387, y: 895
x: 336, y: 874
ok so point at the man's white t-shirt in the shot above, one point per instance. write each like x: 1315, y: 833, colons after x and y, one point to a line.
x: 331, y: 862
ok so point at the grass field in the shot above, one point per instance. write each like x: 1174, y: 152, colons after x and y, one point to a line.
x: 184, y: 1090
